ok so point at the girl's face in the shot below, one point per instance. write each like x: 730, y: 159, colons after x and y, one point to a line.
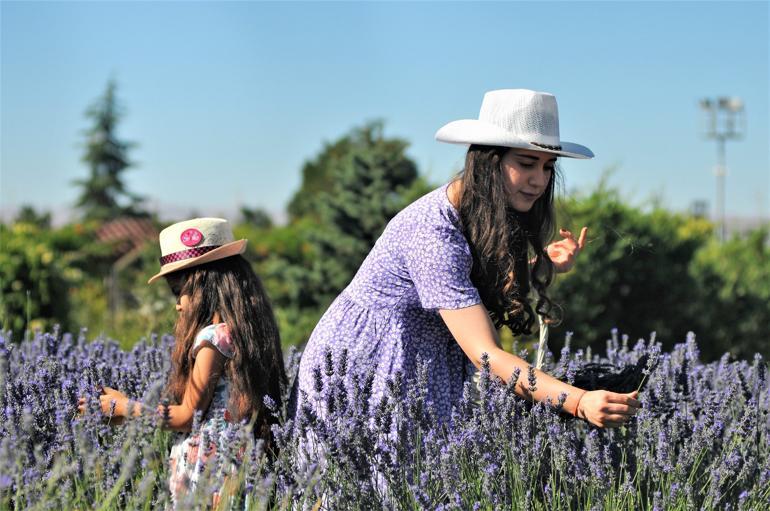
x: 182, y: 303
x: 527, y: 176
x: 176, y: 283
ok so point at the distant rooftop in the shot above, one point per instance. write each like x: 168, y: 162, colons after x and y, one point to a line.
x: 127, y: 233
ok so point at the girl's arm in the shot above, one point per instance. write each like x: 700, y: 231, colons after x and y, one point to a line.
x: 476, y: 335
x: 207, y: 368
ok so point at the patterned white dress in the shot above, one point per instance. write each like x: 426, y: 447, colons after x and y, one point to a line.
x: 191, y: 451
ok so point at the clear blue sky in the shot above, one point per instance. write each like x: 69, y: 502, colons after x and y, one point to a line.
x: 226, y: 100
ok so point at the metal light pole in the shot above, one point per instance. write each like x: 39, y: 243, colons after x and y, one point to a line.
x: 725, y: 120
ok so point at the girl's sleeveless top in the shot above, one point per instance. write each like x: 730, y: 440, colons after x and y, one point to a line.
x: 191, y: 451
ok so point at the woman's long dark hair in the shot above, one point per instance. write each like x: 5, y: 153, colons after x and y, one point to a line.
x: 230, y: 288
x: 504, y: 241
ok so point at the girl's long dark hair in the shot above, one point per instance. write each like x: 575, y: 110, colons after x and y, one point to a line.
x: 504, y: 241
x: 230, y: 288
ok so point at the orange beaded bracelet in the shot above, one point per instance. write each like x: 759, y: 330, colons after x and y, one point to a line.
x: 577, y: 403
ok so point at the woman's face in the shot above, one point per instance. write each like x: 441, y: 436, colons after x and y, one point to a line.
x: 527, y: 175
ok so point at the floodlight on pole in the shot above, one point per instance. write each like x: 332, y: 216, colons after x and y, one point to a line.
x: 725, y: 120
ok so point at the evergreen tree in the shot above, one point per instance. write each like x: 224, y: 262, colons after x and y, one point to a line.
x: 256, y: 217
x: 29, y: 215
x: 317, y: 177
x: 371, y: 182
x: 349, y: 193
x: 104, y: 194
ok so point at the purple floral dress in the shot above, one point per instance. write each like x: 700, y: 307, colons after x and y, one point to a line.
x: 191, y: 451
x: 387, y: 317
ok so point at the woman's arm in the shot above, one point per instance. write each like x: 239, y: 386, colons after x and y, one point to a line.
x: 476, y: 335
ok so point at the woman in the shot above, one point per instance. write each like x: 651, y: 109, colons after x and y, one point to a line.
x: 461, y: 261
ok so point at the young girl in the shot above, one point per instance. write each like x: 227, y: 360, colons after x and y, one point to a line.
x: 461, y: 262
x: 227, y: 356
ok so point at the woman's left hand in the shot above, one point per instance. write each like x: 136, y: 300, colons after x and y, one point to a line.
x: 564, y: 252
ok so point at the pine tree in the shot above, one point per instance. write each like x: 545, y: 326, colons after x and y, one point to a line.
x: 371, y: 182
x: 256, y: 217
x: 317, y: 177
x: 29, y: 215
x: 104, y: 194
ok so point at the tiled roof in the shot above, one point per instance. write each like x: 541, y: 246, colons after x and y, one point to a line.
x: 127, y: 233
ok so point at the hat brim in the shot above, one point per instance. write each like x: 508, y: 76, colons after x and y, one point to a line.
x: 474, y: 131
x: 227, y: 250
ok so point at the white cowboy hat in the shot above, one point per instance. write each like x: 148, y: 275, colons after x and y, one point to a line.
x: 193, y: 242
x: 519, y: 118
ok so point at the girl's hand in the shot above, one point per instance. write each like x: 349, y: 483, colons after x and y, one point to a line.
x: 121, y: 402
x: 564, y: 252
x: 115, y: 415
x: 608, y: 409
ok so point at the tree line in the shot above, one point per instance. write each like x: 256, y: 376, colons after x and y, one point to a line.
x: 644, y: 269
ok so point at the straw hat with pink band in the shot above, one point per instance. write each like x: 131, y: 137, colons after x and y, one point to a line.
x: 195, y: 242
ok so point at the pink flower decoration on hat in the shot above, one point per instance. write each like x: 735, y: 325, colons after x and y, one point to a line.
x: 191, y: 237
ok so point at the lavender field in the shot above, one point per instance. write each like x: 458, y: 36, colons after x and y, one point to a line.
x: 700, y: 442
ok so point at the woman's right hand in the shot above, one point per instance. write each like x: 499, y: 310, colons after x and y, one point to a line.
x: 608, y: 409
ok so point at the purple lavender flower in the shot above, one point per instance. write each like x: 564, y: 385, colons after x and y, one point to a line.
x: 531, y: 379
x: 270, y: 404
x: 497, y: 451
x: 318, y: 384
